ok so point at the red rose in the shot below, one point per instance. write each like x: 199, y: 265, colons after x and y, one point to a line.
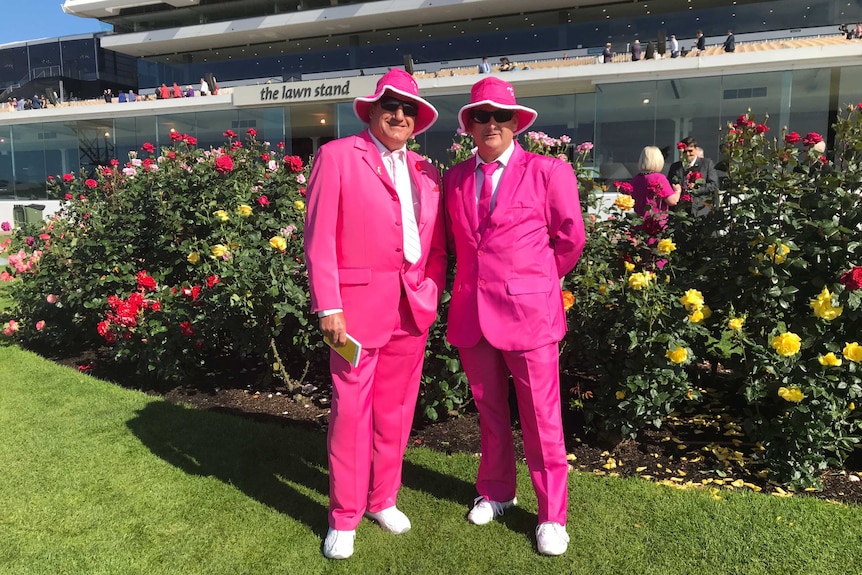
x: 146, y: 282
x: 281, y: 145
x: 792, y: 138
x: 680, y: 146
x: 50, y: 178
x: 156, y: 306
x: 148, y: 147
x: 823, y: 159
x: 294, y: 163
x: 761, y: 128
x: 107, y: 172
x: 693, y: 176
x: 172, y: 155
x: 187, y: 329
x: 115, y: 162
x: 812, y: 138
x: 190, y: 140
x: 212, y: 281
x: 251, y: 132
x: 263, y: 200
x: 229, y: 134
x: 685, y: 197
x: 302, y: 192
x: 852, y: 280
x: 223, y: 164
x: 68, y: 178
x: 626, y: 188
x: 68, y: 197
x: 175, y: 137
x: 264, y: 157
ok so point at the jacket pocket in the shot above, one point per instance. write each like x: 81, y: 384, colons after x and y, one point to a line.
x: 519, y: 286
x: 354, y: 276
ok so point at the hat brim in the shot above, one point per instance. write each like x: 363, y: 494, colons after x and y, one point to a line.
x: 424, y: 119
x: 526, y: 116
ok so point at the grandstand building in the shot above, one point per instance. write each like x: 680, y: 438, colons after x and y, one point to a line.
x: 291, y: 68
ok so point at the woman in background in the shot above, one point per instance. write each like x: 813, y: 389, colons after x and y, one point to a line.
x: 651, y: 189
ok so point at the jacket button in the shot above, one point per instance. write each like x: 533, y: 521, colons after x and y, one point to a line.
x: 480, y: 253
x: 481, y: 282
x: 397, y: 250
x: 398, y: 224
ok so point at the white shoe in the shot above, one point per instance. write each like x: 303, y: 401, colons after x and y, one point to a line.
x: 338, y: 544
x: 551, y: 538
x: 484, y: 510
x: 391, y: 520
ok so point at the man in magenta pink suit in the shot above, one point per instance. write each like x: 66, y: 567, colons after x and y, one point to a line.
x: 515, y: 222
x: 376, y: 252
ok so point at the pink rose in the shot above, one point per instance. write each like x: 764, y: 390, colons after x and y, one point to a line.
x: 40, y: 325
x: 263, y: 200
x: 51, y: 299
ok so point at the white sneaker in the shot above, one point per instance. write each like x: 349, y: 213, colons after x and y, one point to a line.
x: 551, y: 538
x: 484, y: 510
x: 391, y: 520
x: 338, y: 544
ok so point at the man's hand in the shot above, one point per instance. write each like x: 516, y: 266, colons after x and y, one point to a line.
x: 334, y: 328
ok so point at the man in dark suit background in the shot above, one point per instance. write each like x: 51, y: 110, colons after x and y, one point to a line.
x: 701, y: 41
x: 730, y: 42
x: 692, y: 162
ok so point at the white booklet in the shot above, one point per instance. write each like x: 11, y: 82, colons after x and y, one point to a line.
x: 349, y: 351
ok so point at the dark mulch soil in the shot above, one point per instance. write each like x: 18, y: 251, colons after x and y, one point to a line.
x: 688, y: 453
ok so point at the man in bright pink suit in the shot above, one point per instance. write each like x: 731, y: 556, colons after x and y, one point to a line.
x: 376, y: 252
x: 514, y: 219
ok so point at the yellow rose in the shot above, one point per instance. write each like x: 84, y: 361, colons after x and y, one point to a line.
x: 853, y: 351
x: 194, y: 258
x: 678, y: 355
x: 278, y: 243
x: 630, y: 267
x: 638, y: 281
x: 665, y: 246
x: 244, y: 210
x: 735, y: 323
x: 218, y: 251
x: 603, y: 289
x: 852, y: 406
x: 787, y: 344
x: 221, y: 214
x: 568, y: 300
x: 823, y: 308
x: 299, y: 205
x: 792, y: 394
x: 778, y: 252
x: 621, y: 395
x: 829, y: 360
x: 699, y: 315
x: 624, y: 202
x: 692, y: 300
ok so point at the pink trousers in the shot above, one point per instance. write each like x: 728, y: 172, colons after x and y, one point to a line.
x: 369, y: 423
x: 536, y: 375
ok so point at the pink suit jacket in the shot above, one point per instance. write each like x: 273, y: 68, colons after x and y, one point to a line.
x: 507, y: 283
x: 354, y: 242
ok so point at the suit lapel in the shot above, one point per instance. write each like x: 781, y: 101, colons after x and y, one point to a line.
x: 374, y: 160
x: 509, y: 182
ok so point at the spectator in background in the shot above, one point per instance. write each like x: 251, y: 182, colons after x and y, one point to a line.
x: 636, y: 50
x: 176, y: 91
x: 674, y: 47
x: 164, y: 92
x: 190, y: 92
x: 506, y: 66
x: 650, y: 50
x: 132, y: 96
x: 484, y: 66
x: 730, y: 42
x: 651, y: 190
x: 108, y: 96
x: 607, y: 54
x: 701, y: 42
x: 121, y: 97
x: 21, y: 104
x: 37, y: 102
x: 692, y: 160
x: 204, y: 87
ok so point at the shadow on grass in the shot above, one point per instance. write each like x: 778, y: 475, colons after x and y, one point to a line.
x: 264, y: 460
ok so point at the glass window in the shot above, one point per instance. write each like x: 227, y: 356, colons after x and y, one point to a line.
x: 45, y: 59
x: 79, y: 59
x: 7, y: 164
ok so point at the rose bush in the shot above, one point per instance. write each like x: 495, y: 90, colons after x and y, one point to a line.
x: 174, y: 259
x: 764, y: 284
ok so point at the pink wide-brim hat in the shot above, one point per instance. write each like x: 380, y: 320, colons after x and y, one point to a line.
x: 397, y: 81
x: 500, y: 94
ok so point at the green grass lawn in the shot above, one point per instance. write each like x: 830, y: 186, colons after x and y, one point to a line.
x: 98, y: 479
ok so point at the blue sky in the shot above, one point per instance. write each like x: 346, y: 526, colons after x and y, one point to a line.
x: 33, y: 19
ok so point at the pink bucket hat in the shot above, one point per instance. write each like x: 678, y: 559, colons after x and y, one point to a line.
x: 500, y: 94
x: 399, y: 82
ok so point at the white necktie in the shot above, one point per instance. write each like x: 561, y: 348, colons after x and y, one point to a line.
x: 404, y: 187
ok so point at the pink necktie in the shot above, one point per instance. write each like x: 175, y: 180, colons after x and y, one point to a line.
x: 483, y: 209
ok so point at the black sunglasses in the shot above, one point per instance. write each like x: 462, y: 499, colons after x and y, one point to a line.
x: 483, y: 116
x: 392, y: 105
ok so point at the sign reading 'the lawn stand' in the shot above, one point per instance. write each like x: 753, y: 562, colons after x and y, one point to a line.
x: 307, y: 91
